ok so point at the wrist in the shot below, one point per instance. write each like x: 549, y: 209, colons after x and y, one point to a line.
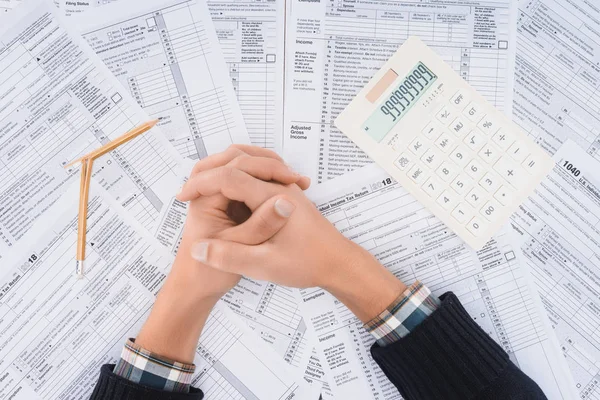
x: 364, y: 285
x: 175, y: 323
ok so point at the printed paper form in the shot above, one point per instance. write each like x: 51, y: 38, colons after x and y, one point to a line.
x: 369, y: 208
x: 251, y: 34
x: 334, y: 47
x: 557, y: 77
x: 168, y: 57
x: 560, y: 226
x: 270, y: 310
x: 56, y: 331
x: 58, y: 101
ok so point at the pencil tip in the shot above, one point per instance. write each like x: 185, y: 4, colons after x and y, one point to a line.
x: 79, y: 269
x: 78, y: 160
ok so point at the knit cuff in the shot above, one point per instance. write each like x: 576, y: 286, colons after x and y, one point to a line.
x: 446, y: 356
x: 112, y: 386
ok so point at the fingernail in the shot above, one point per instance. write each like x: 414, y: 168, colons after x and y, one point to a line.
x: 200, y: 251
x: 284, y: 208
x: 179, y: 191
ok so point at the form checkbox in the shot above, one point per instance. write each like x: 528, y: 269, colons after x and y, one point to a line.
x: 116, y: 98
x: 271, y: 58
x: 151, y: 22
x: 503, y: 44
x: 510, y: 255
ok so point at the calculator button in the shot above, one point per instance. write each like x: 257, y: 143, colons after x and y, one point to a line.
x: 444, y: 142
x: 417, y: 174
x: 532, y: 164
x: 475, y: 197
x: 447, y: 200
x: 432, y: 130
x: 504, y: 139
x: 474, y: 140
x: 474, y: 169
x: 458, y: 127
x: 433, y: 187
x: 490, y: 182
x: 445, y: 115
x: 404, y: 161
x: 461, y: 213
x: 460, y: 156
x: 488, y: 125
x: 461, y: 184
x: 460, y: 99
x: 518, y: 151
x: 489, y: 210
x: 511, y: 172
x: 432, y: 158
x: 417, y: 147
x: 447, y: 171
x: 489, y: 154
x: 504, y: 195
x: 473, y: 112
x: 476, y: 226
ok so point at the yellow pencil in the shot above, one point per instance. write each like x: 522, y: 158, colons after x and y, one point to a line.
x: 84, y: 191
x: 84, y: 186
x: 113, y: 144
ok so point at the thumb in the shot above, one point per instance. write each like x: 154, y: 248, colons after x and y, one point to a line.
x: 263, y: 224
x: 226, y: 256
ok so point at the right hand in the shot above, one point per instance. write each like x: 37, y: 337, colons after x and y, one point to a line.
x: 308, y: 251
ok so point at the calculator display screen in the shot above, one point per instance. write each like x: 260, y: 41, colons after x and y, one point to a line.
x: 400, y: 100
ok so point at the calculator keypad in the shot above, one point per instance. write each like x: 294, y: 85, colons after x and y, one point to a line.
x: 468, y: 163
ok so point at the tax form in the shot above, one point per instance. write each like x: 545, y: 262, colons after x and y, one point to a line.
x: 560, y: 227
x: 56, y: 331
x: 334, y: 47
x: 557, y: 76
x: 251, y: 34
x: 59, y: 101
x: 270, y: 310
x: 368, y: 207
x: 167, y: 56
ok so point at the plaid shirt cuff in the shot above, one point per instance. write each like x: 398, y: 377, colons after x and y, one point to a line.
x: 403, y: 315
x: 141, y: 366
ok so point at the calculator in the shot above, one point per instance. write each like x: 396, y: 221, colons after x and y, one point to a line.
x: 442, y: 141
